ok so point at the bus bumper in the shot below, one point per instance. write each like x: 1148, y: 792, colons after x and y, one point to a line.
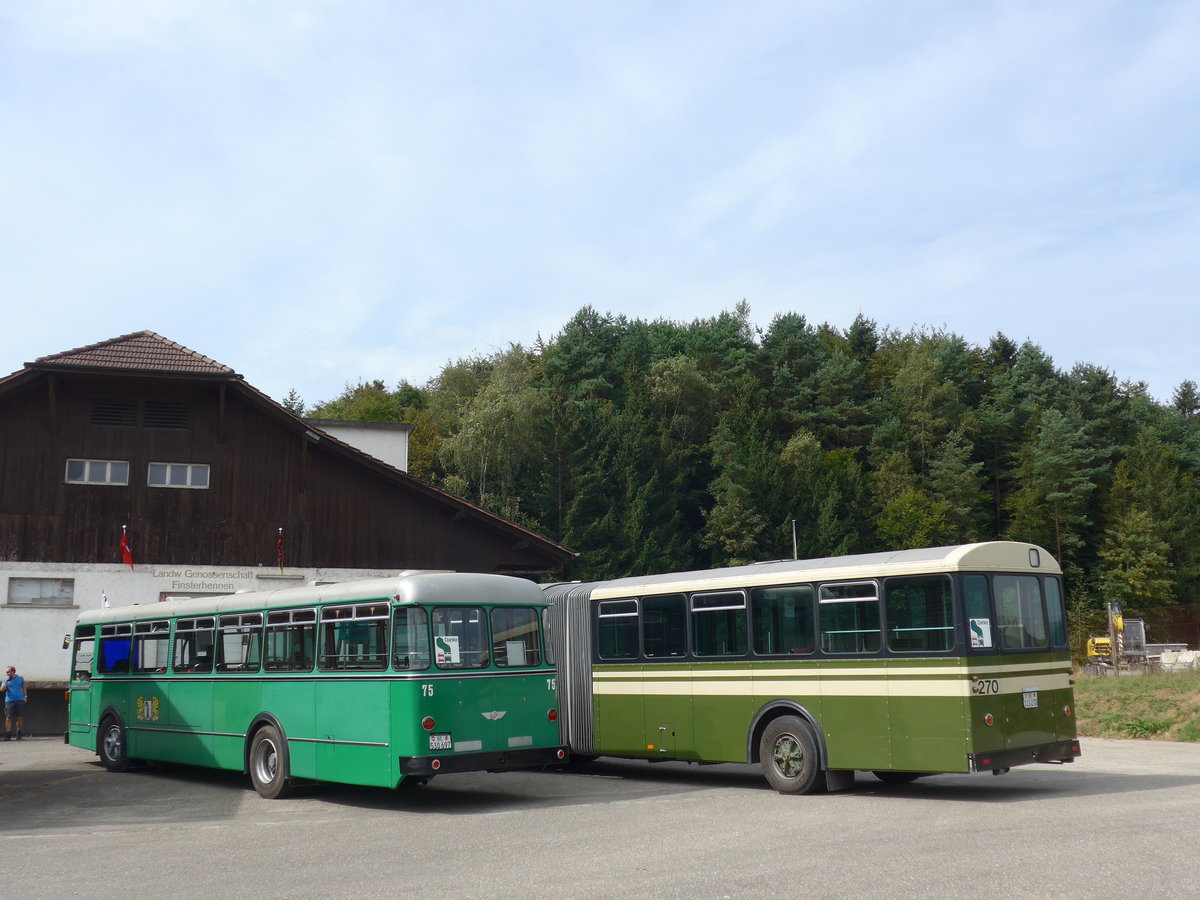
x: 533, y: 758
x: 1058, y: 752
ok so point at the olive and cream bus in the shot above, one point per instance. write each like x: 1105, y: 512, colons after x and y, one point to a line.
x: 951, y: 659
x: 368, y: 682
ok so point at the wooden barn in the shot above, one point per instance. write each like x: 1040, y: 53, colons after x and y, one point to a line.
x: 210, y: 485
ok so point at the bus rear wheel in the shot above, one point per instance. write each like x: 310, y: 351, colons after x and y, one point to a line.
x: 269, y: 764
x: 114, y: 754
x: 788, y: 752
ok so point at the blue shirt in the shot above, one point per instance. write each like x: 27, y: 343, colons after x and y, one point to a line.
x: 14, y: 689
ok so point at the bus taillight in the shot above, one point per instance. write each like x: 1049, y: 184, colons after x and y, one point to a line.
x: 552, y: 715
x: 427, y: 723
x: 989, y: 720
x: 435, y: 765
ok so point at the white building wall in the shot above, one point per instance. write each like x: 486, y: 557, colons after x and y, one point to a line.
x: 386, y: 441
x: 31, y: 636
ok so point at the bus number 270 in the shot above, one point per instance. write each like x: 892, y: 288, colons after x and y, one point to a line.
x: 985, y: 686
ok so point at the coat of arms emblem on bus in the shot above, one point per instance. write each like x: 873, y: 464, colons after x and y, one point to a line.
x: 147, y: 709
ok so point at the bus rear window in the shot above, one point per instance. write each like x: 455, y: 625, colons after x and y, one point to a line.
x: 460, y: 637
x: 516, y: 638
x: 411, y: 627
x: 1020, y: 612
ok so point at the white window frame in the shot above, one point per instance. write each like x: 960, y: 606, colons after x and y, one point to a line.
x: 191, y: 470
x: 22, y: 591
x: 90, y: 464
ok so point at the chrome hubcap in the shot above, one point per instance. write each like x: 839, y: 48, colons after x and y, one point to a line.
x: 788, y: 756
x: 112, y: 742
x: 268, y: 762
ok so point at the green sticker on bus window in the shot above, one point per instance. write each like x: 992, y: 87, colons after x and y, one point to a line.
x: 447, y: 649
x: 981, y: 633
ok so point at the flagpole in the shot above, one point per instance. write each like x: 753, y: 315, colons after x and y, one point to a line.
x: 279, y: 550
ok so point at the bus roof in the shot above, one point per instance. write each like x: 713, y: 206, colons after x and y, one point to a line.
x: 457, y: 588
x: 991, y: 556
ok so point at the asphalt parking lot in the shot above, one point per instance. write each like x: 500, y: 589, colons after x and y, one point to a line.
x: 1121, y: 819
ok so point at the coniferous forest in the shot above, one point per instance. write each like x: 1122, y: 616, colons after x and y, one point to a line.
x: 657, y: 446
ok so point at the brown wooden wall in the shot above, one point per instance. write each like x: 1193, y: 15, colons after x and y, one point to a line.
x: 336, y: 511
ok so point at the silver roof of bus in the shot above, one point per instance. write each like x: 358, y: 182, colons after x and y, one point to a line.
x: 463, y: 588
x: 994, y: 556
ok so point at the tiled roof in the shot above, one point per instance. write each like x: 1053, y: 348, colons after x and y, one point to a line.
x: 143, y: 351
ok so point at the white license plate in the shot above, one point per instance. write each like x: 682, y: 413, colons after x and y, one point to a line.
x: 439, y: 742
x: 1029, y: 699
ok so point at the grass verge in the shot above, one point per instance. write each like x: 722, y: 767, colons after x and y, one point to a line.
x: 1158, y: 705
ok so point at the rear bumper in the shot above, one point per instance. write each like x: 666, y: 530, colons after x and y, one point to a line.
x: 1058, y: 752
x: 533, y: 758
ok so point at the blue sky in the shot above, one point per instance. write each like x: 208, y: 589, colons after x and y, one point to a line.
x: 316, y: 193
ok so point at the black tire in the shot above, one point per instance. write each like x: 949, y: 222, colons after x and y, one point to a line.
x: 789, y: 756
x: 269, y: 763
x: 113, y: 750
x: 897, y: 777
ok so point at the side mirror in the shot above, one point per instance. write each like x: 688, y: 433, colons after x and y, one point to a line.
x: 66, y: 642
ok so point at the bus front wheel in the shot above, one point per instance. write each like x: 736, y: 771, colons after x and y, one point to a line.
x: 789, y: 756
x: 269, y: 763
x: 114, y: 754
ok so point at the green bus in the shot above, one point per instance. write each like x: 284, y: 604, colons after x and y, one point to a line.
x: 368, y: 682
x: 951, y: 659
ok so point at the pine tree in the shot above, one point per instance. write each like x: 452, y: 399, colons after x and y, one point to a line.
x: 1055, y: 473
x: 1134, y: 564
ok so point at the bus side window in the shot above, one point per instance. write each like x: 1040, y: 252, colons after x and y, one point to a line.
x: 115, y: 643
x: 240, y: 644
x: 783, y: 619
x: 850, y: 618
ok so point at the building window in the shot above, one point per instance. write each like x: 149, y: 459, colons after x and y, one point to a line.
x: 41, y: 592
x: 178, y: 475
x: 97, y: 471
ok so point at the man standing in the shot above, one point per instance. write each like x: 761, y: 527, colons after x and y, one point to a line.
x: 13, y: 691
